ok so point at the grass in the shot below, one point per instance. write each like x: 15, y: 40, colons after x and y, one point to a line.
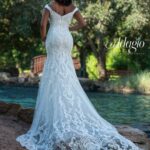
x: 139, y: 82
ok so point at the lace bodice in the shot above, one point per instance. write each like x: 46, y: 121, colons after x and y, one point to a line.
x: 60, y: 20
x: 59, y: 39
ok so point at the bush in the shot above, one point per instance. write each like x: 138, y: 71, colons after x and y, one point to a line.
x: 139, y: 82
x: 92, y: 67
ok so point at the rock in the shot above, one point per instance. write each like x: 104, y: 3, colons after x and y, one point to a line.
x: 135, y: 135
x: 87, y: 84
x: 21, y: 80
x: 127, y: 90
x: 9, y: 131
x: 10, y: 109
x: 14, y: 109
x: 4, y: 107
x: 4, y: 75
x: 33, y: 81
x: 26, y: 115
x: 13, y: 80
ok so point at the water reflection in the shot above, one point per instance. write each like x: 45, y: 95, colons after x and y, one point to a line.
x: 119, y: 108
x: 116, y: 108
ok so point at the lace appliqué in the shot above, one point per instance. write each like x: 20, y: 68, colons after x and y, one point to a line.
x: 64, y: 118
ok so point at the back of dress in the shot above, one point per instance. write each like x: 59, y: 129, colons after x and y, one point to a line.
x: 61, y: 20
x: 59, y: 36
x: 64, y: 117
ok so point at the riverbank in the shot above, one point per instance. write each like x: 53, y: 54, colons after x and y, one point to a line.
x: 137, y: 83
x: 10, y: 128
x: 15, y: 120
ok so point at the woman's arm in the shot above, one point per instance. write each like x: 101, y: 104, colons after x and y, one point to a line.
x: 44, y: 22
x: 80, y: 22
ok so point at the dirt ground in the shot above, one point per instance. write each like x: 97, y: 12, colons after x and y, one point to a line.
x: 10, y: 128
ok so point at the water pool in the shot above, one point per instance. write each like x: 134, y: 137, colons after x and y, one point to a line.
x: 116, y: 108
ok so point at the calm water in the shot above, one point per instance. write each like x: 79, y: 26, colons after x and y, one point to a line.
x: 116, y: 108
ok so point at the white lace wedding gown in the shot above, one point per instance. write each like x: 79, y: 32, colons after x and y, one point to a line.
x: 64, y: 117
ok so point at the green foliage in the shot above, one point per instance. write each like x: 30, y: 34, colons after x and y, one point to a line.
x: 92, y: 67
x: 117, y: 58
x: 75, y: 52
x: 139, y: 82
x: 19, y: 32
x: 112, y: 20
x: 107, y: 21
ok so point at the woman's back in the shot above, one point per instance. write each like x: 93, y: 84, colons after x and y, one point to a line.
x: 60, y: 14
x: 58, y: 36
x: 61, y: 9
x: 57, y: 18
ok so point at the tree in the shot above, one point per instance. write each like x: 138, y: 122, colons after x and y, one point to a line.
x: 19, y: 32
x: 108, y: 20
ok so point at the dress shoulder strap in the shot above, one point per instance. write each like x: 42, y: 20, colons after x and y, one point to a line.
x: 48, y: 7
x: 75, y: 10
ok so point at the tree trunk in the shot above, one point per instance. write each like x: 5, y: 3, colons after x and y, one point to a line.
x: 102, y: 64
x: 102, y: 58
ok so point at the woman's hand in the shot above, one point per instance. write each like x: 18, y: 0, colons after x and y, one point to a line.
x: 81, y: 22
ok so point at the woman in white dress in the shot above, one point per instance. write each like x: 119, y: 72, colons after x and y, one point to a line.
x: 64, y: 118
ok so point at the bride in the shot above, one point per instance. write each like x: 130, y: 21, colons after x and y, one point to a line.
x: 64, y: 117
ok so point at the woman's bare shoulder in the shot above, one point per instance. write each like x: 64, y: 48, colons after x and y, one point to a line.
x: 70, y: 8
x: 73, y: 6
